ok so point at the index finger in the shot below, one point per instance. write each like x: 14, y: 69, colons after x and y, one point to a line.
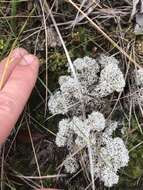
x: 16, y: 92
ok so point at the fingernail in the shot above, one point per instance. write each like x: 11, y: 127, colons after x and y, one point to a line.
x: 28, y: 59
x: 18, y: 53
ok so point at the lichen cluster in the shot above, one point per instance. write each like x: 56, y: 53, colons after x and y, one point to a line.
x: 108, y: 154
x: 136, y: 93
x: 95, y: 81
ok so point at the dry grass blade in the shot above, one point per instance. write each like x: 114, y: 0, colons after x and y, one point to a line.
x: 136, y: 146
x: 41, y: 177
x: 68, y: 57
x: 9, y: 60
x: 46, y: 52
x: 32, y: 144
x: 105, y: 35
x: 89, y: 7
x: 14, y: 138
x: 91, y: 165
x: 31, y: 183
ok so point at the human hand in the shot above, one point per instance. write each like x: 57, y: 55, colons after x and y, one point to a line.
x: 17, y: 84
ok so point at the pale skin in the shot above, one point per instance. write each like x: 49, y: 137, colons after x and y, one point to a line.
x: 17, y: 85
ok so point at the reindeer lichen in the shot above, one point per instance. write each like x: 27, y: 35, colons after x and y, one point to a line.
x: 109, y: 154
x: 96, y: 79
x: 136, y: 93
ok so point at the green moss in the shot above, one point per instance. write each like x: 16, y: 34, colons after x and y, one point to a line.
x: 130, y: 175
x: 79, y: 44
x: 1, y: 44
x: 57, y: 60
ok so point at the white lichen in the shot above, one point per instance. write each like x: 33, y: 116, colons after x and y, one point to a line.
x: 95, y: 121
x: 86, y: 63
x: 137, y: 96
x: 97, y: 79
x: 111, y: 80
x: 63, y: 134
x: 109, y: 154
x: 79, y: 127
x: 115, y: 154
x: 69, y: 88
x: 139, y: 77
x: 111, y: 127
x: 110, y: 178
x: 70, y: 164
x: 136, y: 91
x: 86, y: 69
x: 105, y: 60
x: 57, y: 104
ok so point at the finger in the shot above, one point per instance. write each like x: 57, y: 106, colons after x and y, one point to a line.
x: 16, y: 92
x: 8, y: 64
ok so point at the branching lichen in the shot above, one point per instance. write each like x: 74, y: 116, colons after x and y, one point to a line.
x: 108, y: 154
x: 136, y: 93
x: 139, y: 77
x: 97, y: 79
x: 111, y: 79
